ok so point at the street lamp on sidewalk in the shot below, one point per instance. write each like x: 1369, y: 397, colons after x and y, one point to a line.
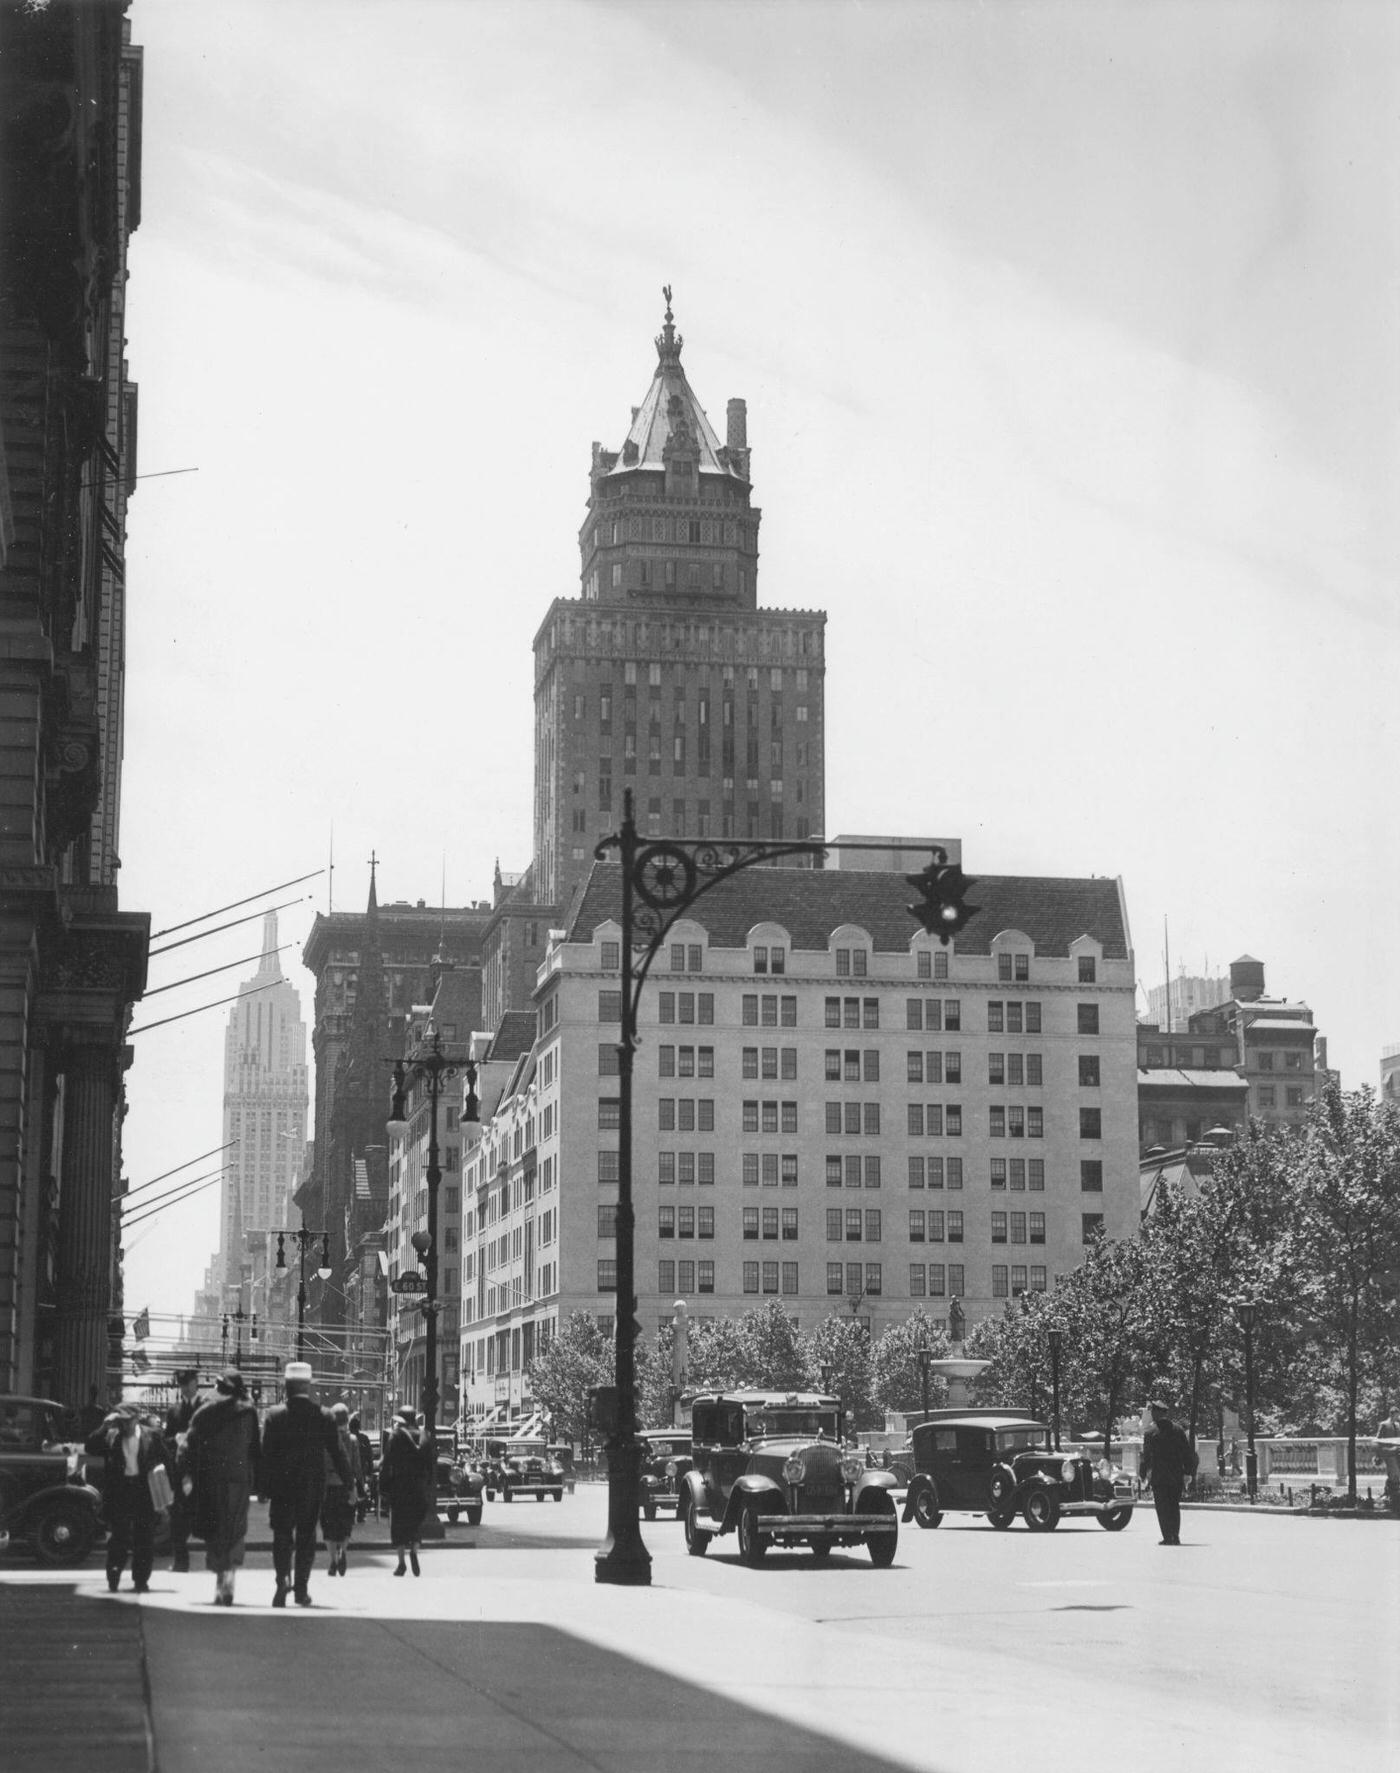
x: 429, y: 1065
x: 304, y: 1239
x: 1055, y: 1336
x: 1245, y: 1309
x: 661, y: 879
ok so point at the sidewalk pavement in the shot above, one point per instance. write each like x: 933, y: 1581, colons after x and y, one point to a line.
x: 516, y: 1657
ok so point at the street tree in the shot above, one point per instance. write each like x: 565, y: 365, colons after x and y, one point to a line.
x: 898, y: 1376
x: 579, y: 1358
x: 774, y: 1356
x: 1348, y: 1235
x: 1017, y: 1344
x: 1111, y: 1312
x: 842, y: 1344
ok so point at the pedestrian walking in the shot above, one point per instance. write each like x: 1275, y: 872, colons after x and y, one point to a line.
x: 367, y: 1480
x: 177, y: 1427
x: 130, y: 1452
x: 407, y: 1479
x: 298, y: 1438
x: 340, y: 1495
x: 1168, y: 1460
x: 223, y: 1446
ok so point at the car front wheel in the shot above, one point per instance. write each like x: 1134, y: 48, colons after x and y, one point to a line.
x: 884, y: 1545
x: 821, y: 1551
x: 1114, y: 1519
x: 558, y: 1495
x: 697, y: 1540
x: 1001, y: 1518
x: 752, y: 1541
x: 926, y: 1510
x: 64, y: 1534
x: 452, y: 1514
x: 507, y: 1494
x: 1042, y: 1511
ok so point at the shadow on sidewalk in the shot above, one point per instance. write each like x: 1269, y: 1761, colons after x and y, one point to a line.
x: 435, y: 1695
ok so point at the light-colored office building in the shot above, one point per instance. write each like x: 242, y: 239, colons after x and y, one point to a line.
x: 830, y: 1108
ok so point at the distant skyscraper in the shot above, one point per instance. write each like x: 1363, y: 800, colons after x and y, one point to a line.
x: 265, y: 1103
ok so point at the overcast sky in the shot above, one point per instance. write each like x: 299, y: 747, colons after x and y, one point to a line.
x: 1067, y: 334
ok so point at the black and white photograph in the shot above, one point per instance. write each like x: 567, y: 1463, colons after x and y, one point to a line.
x: 699, y: 960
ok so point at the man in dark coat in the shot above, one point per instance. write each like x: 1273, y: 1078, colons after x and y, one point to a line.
x: 1168, y: 1460
x: 298, y: 1439
x: 129, y: 1451
x: 177, y: 1427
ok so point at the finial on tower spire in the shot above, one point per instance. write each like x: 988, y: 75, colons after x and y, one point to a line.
x: 373, y: 895
x: 668, y: 346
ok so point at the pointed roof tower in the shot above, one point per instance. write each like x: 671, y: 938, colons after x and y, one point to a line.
x: 669, y: 516
x: 269, y: 967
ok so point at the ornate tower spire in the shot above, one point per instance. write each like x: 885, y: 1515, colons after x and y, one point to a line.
x: 373, y: 904
x: 670, y: 343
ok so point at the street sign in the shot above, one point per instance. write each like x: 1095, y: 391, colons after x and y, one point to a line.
x: 409, y: 1282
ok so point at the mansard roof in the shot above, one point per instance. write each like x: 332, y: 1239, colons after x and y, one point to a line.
x: 810, y: 903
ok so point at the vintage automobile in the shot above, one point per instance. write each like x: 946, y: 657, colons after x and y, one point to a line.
x: 771, y: 1467
x: 517, y: 1465
x: 665, y: 1461
x: 460, y: 1483
x: 45, y: 1500
x: 1001, y: 1463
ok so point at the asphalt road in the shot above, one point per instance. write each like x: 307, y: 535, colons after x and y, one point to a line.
x: 1262, y: 1642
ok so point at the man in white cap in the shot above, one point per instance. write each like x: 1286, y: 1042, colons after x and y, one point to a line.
x: 298, y: 1439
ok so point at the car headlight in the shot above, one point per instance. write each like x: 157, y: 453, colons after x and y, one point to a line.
x: 852, y: 1468
x: 795, y: 1470
x: 671, y: 1468
x: 1106, y: 1469
x: 1069, y: 1471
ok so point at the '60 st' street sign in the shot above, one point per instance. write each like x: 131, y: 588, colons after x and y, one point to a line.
x: 409, y: 1283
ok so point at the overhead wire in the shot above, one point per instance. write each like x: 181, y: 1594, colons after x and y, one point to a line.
x: 188, y: 1164
x: 233, y: 905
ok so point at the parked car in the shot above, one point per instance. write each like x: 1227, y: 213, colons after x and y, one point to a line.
x: 45, y: 1500
x: 562, y: 1453
x: 665, y: 1461
x: 517, y: 1465
x: 1001, y: 1464
x: 460, y: 1482
x: 771, y: 1467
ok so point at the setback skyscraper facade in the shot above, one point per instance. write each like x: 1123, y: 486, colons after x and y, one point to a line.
x: 266, y: 1096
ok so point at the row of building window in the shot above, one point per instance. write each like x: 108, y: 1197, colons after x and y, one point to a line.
x: 775, y: 1010
x: 772, y: 1169
x: 843, y: 1225
x: 854, y: 963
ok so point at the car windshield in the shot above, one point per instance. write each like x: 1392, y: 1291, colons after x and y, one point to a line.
x: 800, y: 1424
x: 525, y: 1450
x: 1020, y: 1440
x: 670, y: 1443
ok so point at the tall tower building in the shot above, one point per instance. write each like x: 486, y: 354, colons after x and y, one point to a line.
x: 666, y: 677
x: 265, y: 1104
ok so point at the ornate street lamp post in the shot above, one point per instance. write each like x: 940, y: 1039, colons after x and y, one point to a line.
x: 304, y: 1239
x: 1055, y: 1336
x: 1246, y: 1309
x: 661, y: 879
x: 431, y: 1066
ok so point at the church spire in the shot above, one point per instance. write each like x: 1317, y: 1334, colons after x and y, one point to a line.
x: 373, y: 904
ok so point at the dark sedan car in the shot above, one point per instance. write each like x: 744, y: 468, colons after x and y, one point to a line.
x: 1000, y: 1463
x: 44, y: 1498
x: 665, y: 1461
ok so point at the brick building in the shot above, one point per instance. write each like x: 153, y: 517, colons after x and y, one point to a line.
x: 71, y: 962
x: 666, y: 676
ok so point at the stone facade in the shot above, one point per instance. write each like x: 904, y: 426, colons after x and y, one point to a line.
x: 829, y: 1108
x: 71, y: 962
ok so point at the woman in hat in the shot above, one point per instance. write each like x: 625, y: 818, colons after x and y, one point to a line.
x: 408, y: 1478
x: 223, y: 1450
x: 339, y: 1498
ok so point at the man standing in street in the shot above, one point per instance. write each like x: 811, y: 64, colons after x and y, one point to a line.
x: 177, y: 1428
x: 1168, y: 1459
x: 298, y: 1439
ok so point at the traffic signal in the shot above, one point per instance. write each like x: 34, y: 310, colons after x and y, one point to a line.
x: 944, y: 910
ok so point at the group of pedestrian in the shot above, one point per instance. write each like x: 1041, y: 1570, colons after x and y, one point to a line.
x: 312, y: 1464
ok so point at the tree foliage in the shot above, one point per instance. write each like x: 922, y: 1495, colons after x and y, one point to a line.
x: 898, y: 1377
x: 577, y: 1359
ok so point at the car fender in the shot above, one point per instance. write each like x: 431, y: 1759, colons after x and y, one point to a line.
x: 753, y: 1487
x: 692, y: 1488
x: 869, y: 1483
x: 39, y: 1500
